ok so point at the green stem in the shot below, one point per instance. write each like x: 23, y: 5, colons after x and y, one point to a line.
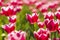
x: 54, y: 34
x: 59, y: 35
x: 2, y: 32
x: 51, y: 35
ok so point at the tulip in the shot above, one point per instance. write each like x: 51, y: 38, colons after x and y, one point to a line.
x: 32, y: 18
x: 59, y: 29
x: 17, y: 35
x: 57, y: 14
x: 52, y: 25
x: 33, y: 9
x: 1, y: 2
x: 18, y: 8
x: 49, y: 15
x: 8, y: 27
x: 16, y: 2
x: 53, y: 4
x: 33, y: 1
x: 42, y: 34
x: 46, y: 21
x: 41, y: 24
x: 30, y: 2
x: 39, y: 4
x: 8, y: 11
x: 12, y: 19
x: 44, y: 8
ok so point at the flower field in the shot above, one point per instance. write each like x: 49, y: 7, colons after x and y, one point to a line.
x: 29, y: 19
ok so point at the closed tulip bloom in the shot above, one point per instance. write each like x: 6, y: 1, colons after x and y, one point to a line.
x: 9, y: 27
x: 52, y: 25
x: 17, y: 35
x: 32, y: 18
x: 42, y: 34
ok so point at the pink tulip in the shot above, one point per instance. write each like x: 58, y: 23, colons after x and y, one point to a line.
x: 44, y: 8
x: 9, y: 27
x: 52, y: 25
x: 32, y: 18
x: 57, y: 14
x: 30, y: 2
x: 39, y: 4
x: 41, y: 24
x: 18, y: 8
x: 1, y: 2
x: 17, y: 35
x: 16, y: 2
x: 8, y: 11
x: 59, y: 29
x: 12, y: 19
x: 53, y: 4
x: 49, y: 15
x: 42, y: 34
